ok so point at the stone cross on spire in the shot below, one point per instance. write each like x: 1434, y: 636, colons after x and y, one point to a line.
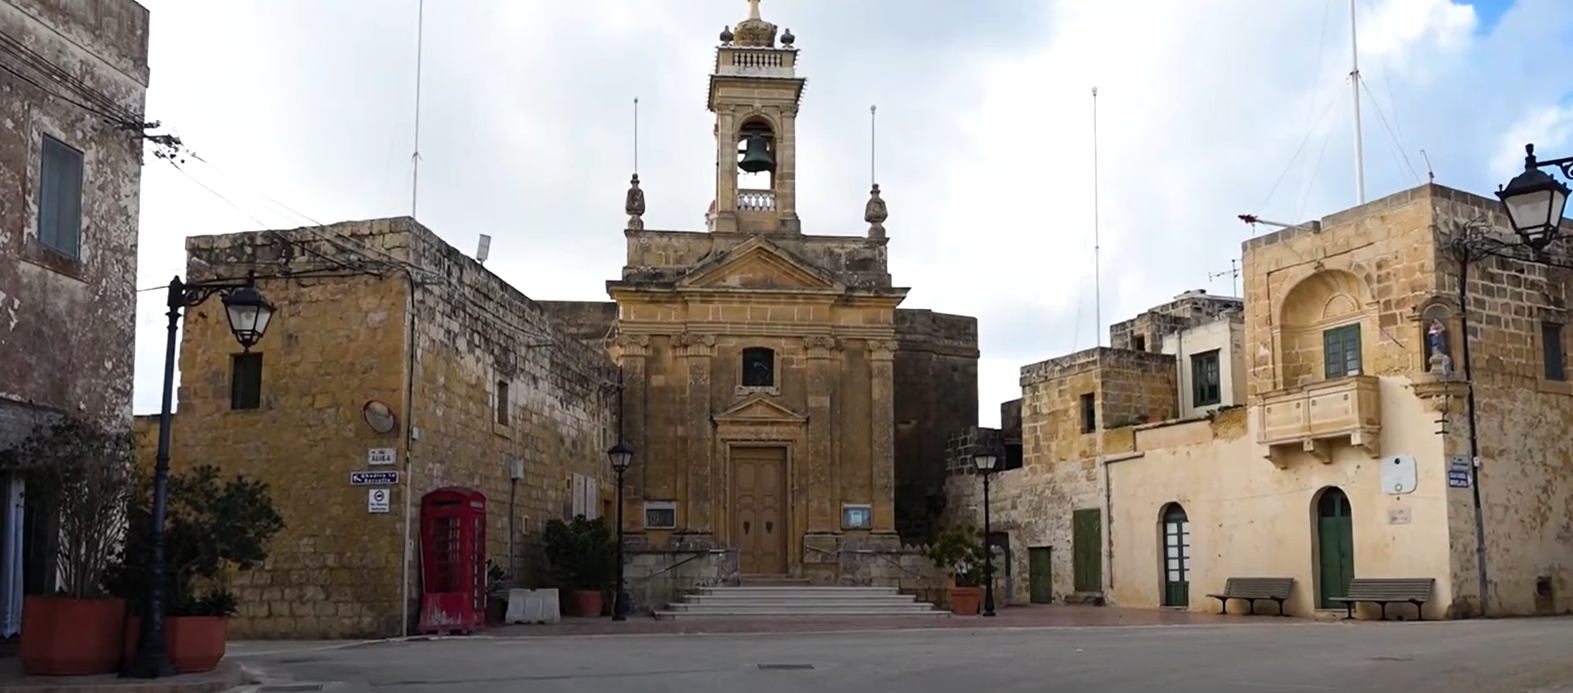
x: 753, y: 9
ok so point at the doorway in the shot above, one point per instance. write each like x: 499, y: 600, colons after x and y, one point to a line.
x: 1040, y: 574
x: 758, y: 520
x: 1176, y: 556
x: 999, y: 545
x: 1335, y: 548
x: 1087, y: 550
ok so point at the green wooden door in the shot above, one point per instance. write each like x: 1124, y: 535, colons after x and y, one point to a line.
x: 1086, y: 538
x: 1176, y: 557
x: 1335, y: 548
x: 1040, y: 574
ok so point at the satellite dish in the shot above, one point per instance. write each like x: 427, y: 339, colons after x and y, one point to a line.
x: 483, y: 249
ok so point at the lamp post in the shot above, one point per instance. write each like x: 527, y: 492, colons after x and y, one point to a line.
x: 622, y: 457
x: 249, y: 314
x: 986, y: 462
x: 1534, y: 203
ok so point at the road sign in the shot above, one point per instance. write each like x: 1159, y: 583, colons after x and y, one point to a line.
x: 374, y: 478
x: 1459, y: 471
x: 378, y: 500
x: 376, y: 457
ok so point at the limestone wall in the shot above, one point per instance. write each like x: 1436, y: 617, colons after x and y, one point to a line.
x: 346, y: 333
x: 936, y: 395
x: 69, y: 315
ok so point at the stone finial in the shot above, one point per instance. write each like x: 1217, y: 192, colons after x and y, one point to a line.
x: 634, y: 205
x: 726, y: 34
x: 754, y: 32
x: 787, y: 39
x: 875, y: 213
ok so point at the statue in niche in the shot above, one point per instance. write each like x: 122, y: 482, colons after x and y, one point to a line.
x: 1438, y: 359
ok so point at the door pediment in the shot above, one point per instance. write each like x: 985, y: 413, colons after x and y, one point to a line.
x: 759, y: 410
x: 759, y: 264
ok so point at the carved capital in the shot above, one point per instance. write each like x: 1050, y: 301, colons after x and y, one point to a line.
x: 882, y: 349
x: 633, y: 344
x: 790, y: 109
x: 820, y: 346
x: 697, y: 343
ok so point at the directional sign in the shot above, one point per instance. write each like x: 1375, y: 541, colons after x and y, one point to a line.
x: 377, y: 500
x: 374, y: 478
x: 1459, y: 471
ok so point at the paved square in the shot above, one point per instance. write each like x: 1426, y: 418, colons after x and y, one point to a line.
x: 1257, y: 655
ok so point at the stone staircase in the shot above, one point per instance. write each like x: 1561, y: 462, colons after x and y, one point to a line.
x: 796, y: 600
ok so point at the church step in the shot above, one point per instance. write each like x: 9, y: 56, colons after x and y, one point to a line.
x: 801, y: 613
x: 800, y: 598
x: 806, y: 590
x: 796, y: 606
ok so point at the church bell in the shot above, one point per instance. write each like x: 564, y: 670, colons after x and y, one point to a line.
x: 756, y: 157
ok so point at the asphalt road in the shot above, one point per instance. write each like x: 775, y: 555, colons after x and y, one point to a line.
x: 1515, y: 656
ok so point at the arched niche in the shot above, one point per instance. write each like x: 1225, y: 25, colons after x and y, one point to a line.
x: 1324, y: 324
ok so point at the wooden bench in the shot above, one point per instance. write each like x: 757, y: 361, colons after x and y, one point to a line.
x: 1386, y: 591
x: 1253, y: 588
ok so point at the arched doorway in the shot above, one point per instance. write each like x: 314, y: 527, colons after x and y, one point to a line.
x: 1176, y: 556
x: 1335, y: 548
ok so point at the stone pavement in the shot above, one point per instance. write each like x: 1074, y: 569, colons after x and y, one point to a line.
x: 1011, y: 617
x: 225, y: 677
x: 1224, y: 656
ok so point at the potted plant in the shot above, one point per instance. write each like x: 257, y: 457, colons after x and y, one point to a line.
x: 583, y: 559
x: 211, y: 527
x: 498, y: 583
x: 83, y: 474
x: 959, y: 550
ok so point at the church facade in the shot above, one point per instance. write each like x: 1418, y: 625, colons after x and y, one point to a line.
x: 788, y: 417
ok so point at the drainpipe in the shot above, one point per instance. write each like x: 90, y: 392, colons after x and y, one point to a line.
x: 1463, y: 255
x: 409, y: 454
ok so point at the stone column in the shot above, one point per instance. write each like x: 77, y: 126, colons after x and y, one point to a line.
x: 881, y: 356
x: 786, y: 169
x: 632, y: 349
x: 824, y: 372
x: 726, y: 171
x: 696, y: 512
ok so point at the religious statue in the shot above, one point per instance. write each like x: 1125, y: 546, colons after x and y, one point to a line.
x: 1440, y: 361
x: 875, y: 214
x: 634, y: 205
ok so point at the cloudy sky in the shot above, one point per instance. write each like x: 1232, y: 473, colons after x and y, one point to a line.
x: 304, y: 110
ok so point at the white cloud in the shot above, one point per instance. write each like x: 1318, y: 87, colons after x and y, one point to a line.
x: 1208, y: 109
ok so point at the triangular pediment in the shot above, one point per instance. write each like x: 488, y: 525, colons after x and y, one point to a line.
x: 759, y: 264
x: 759, y: 409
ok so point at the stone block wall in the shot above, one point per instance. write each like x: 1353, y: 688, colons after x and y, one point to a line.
x: 591, y: 322
x: 70, y: 318
x: 349, y: 330
x: 936, y: 394
x: 1146, y: 331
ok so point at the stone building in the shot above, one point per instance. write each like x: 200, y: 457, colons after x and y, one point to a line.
x: 789, y: 418
x: 1351, y: 453
x: 390, y: 351
x: 73, y: 80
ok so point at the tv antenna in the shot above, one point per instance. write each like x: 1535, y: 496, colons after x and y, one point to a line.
x: 1233, y: 272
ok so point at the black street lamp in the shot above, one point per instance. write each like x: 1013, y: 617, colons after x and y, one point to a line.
x: 986, y: 462
x: 1534, y: 203
x: 622, y: 457
x: 249, y: 314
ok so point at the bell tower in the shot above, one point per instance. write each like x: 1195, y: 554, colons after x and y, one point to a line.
x: 754, y: 94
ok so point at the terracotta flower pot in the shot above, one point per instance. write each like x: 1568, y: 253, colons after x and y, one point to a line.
x: 71, y: 637
x: 964, y: 601
x: 586, y: 602
x: 195, y: 643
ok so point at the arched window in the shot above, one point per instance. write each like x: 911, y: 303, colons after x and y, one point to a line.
x: 759, y: 367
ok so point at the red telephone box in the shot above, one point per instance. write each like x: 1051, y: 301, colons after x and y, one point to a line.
x: 453, y: 561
